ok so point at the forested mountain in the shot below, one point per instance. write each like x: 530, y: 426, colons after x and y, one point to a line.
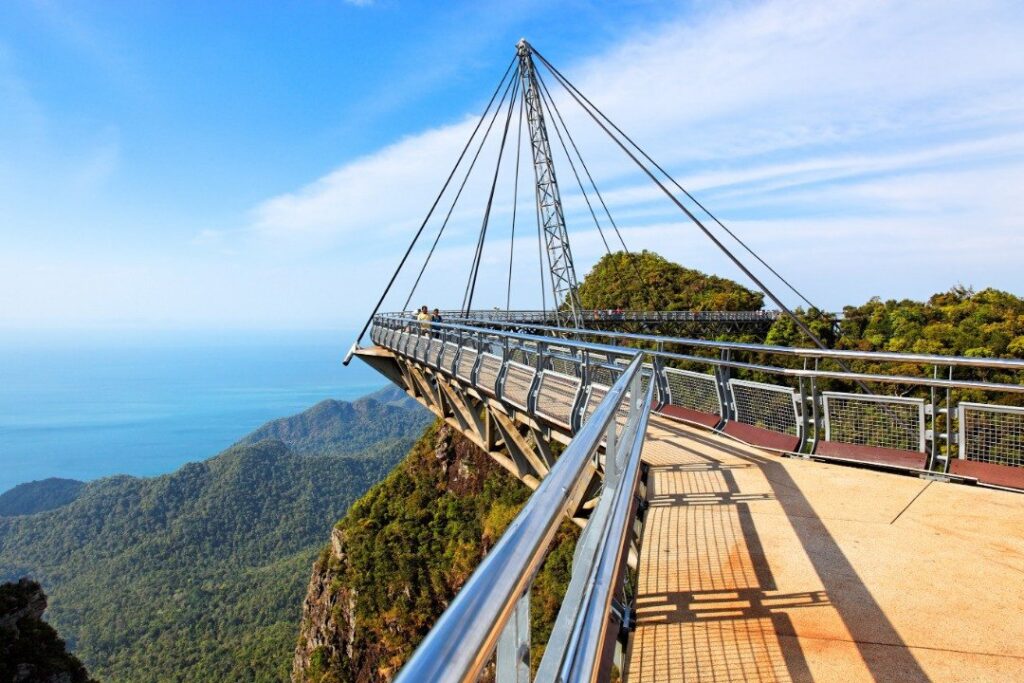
x: 198, y: 575
x: 961, y: 322
x: 646, y: 281
x: 403, y: 551
x: 378, y: 418
x: 39, y: 496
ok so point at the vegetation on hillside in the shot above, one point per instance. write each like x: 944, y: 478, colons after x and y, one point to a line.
x: 199, y: 575
x: 39, y: 496
x: 960, y: 322
x: 403, y: 551
x: 662, y: 286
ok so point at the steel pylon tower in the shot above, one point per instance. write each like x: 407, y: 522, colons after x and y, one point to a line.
x: 564, y: 285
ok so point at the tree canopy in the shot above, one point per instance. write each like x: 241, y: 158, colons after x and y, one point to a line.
x: 661, y: 285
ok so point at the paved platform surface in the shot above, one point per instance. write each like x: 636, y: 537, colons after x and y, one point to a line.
x: 756, y: 567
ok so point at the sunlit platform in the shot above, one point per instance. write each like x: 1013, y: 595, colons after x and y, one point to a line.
x: 756, y: 567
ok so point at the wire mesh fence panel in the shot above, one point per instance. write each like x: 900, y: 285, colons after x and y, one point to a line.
x: 518, y: 381
x: 693, y: 390
x: 422, y: 345
x: 524, y: 355
x: 603, y: 374
x: 765, y: 405
x: 881, y: 421
x: 562, y: 361
x: 595, y: 394
x: 646, y: 374
x: 467, y: 359
x: 487, y: 375
x: 447, y: 360
x: 556, y: 396
x: 992, y: 434
x: 403, y: 342
x: 435, y: 351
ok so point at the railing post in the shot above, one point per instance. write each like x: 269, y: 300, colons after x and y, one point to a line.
x: 815, y: 409
x: 659, y: 375
x: 513, y: 657
x: 805, y: 419
x: 722, y: 374
x: 506, y: 356
x: 951, y: 412
x: 932, y: 410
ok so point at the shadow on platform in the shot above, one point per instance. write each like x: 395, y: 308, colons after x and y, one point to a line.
x: 720, y: 603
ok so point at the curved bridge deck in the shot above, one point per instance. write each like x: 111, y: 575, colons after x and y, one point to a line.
x: 755, y: 567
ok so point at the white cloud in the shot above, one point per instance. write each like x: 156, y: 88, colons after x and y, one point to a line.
x: 383, y: 191
x: 863, y: 147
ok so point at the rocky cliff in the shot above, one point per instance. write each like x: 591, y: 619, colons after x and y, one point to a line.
x: 30, y: 650
x: 401, y: 553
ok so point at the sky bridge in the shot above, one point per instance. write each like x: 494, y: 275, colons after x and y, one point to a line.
x: 749, y: 512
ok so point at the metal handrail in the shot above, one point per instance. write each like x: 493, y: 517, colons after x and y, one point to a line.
x: 948, y: 361
x: 534, y: 338
x: 878, y: 356
x: 588, y: 621
x: 462, y: 640
x: 607, y: 315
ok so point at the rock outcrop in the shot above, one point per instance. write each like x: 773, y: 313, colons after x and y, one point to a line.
x: 30, y: 650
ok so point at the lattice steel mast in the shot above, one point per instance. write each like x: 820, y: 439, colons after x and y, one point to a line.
x: 549, y: 202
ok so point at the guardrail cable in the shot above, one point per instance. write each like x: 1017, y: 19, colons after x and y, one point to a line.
x: 681, y: 188
x: 629, y: 255
x: 458, y: 194
x: 437, y: 200
x: 597, y: 117
x: 515, y: 206
x: 467, y: 302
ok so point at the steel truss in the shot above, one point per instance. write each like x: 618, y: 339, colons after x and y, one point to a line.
x: 564, y: 285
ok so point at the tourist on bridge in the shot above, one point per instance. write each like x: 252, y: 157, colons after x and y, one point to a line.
x: 424, y: 318
x: 435, y: 318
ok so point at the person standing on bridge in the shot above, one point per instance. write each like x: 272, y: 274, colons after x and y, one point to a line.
x: 424, y: 319
x: 435, y: 318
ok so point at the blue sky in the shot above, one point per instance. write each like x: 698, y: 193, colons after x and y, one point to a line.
x: 261, y: 165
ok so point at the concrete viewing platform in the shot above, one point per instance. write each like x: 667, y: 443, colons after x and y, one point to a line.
x: 756, y: 567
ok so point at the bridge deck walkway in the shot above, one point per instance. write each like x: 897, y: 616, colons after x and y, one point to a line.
x: 760, y: 568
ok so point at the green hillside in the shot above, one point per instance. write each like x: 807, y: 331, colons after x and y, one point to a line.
x: 402, y: 552
x: 613, y: 282
x: 39, y: 496
x: 198, y: 575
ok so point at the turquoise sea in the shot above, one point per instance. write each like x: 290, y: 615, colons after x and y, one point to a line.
x: 85, y: 406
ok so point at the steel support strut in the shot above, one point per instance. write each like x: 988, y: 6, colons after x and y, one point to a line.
x: 564, y: 285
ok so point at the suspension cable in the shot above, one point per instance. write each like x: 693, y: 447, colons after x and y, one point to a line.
x: 471, y: 286
x: 671, y: 179
x: 515, y: 205
x: 458, y: 194
x: 433, y: 206
x: 572, y: 90
x: 629, y: 255
x: 579, y: 182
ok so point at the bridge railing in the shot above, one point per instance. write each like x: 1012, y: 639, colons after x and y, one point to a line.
x: 607, y: 315
x: 949, y: 414
x: 491, y: 612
